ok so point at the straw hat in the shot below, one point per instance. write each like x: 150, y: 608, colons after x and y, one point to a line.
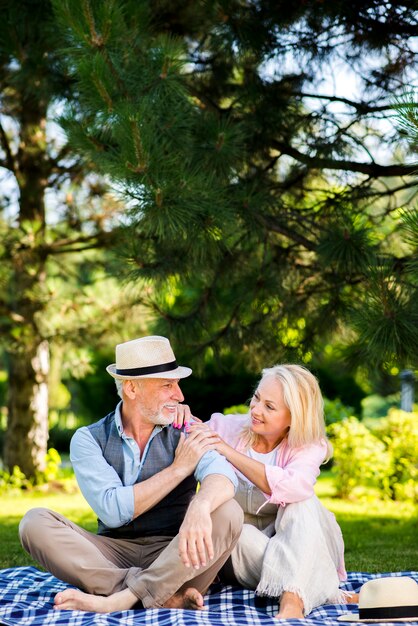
x: 389, y: 599
x: 147, y: 357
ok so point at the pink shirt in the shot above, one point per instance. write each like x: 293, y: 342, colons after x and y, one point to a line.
x: 293, y: 477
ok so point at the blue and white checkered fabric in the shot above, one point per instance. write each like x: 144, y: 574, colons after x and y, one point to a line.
x: 26, y: 597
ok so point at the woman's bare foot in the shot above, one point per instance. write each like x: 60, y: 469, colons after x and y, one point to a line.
x: 191, y: 598
x: 352, y: 598
x: 291, y: 606
x: 76, y: 600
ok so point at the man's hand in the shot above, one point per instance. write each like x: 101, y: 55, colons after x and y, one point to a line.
x: 195, y: 535
x: 190, y: 450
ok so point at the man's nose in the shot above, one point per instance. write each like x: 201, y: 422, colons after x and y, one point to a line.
x: 177, y: 393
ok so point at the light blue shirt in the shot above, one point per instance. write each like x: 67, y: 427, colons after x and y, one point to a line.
x: 111, y: 499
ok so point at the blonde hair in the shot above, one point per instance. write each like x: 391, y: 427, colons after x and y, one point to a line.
x: 303, y: 398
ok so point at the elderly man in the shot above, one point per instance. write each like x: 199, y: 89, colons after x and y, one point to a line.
x: 159, y: 543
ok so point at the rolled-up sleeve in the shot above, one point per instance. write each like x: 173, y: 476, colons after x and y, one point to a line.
x: 214, y: 463
x: 295, y: 481
x: 101, y: 486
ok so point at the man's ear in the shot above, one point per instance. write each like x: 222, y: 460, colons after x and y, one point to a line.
x: 130, y: 389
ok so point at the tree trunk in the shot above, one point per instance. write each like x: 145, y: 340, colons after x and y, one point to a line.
x: 27, y: 350
x: 27, y: 432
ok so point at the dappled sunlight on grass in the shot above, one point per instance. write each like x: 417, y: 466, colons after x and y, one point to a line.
x: 380, y: 536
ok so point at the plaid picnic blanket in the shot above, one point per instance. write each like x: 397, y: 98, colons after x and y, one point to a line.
x: 26, y: 597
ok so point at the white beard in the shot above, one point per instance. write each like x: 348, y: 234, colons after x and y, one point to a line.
x: 162, y: 420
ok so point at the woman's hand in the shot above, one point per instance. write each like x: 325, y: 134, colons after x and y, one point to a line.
x: 184, y: 417
x: 209, y: 433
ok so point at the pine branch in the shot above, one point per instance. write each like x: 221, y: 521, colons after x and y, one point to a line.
x: 217, y: 337
x: 9, y: 163
x: 371, y: 169
x: 272, y: 224
x: 79, y: 244
x: 363, y: 108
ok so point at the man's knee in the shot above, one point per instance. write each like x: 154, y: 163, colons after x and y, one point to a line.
x: 229, y: 516
x: 32, y: 525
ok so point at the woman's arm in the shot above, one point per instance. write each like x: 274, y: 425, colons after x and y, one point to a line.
x: 291, y: 480
x: 254, y: 470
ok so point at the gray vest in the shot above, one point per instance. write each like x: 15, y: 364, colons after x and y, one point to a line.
x: 166, y: 517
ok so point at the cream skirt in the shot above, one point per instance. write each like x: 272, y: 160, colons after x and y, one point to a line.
x: 301, y: 551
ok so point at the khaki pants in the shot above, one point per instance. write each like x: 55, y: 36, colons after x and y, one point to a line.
x: 150, y: 566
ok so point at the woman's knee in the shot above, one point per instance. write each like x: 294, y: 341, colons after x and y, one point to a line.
x: 247, y: 556
x: 252, y: 541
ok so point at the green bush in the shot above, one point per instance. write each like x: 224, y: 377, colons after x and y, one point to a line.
x: 381, y: 460
x: 360, y: 459
x: 52, y: 467
x: 13, y: 481
x: 374, y: 406
x: 336, y: 411
x: 16, y: 480
x: 399, y: 432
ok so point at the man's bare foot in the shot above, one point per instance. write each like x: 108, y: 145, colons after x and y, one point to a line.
x: 291, y: 606
x: 191, y: 599
x: 76, y: 600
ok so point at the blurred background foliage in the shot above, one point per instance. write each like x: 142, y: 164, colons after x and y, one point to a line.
x: 194, y: 169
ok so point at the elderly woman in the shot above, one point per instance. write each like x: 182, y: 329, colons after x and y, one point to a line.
x: 291, y: 546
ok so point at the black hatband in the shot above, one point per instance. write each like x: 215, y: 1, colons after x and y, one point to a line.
x: 152, y: 369
x: 389, y: 612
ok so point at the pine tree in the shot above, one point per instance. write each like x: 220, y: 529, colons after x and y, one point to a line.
x: 35, y: 162
x: 264, y: 205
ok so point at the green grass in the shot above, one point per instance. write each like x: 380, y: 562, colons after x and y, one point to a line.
x: 379, y: 536
x: 15, y: 505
